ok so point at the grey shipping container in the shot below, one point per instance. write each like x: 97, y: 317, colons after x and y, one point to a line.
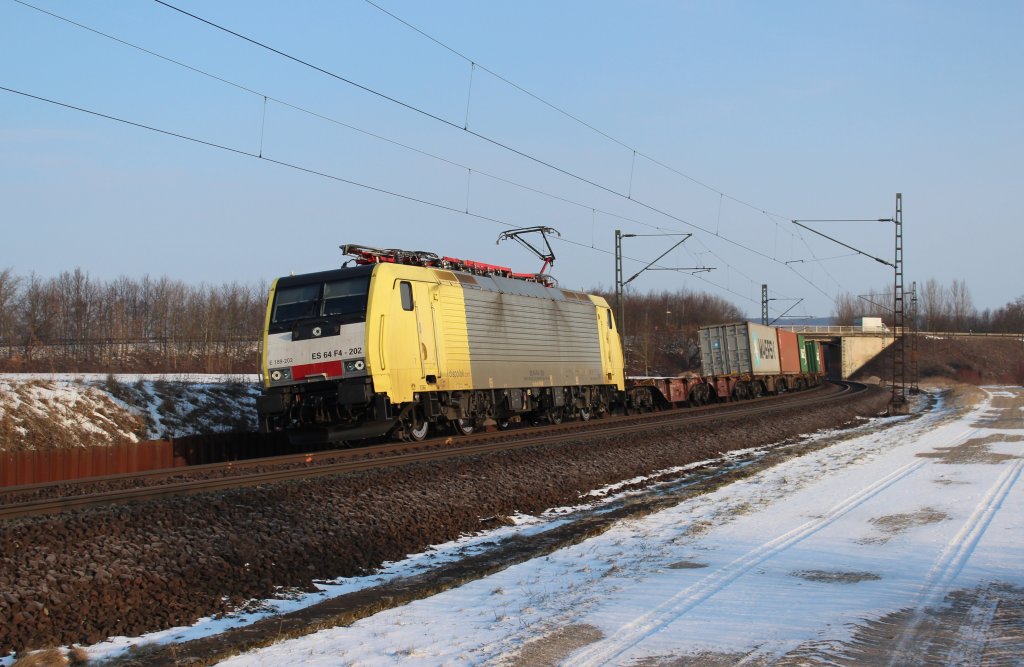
x: 738, y: 349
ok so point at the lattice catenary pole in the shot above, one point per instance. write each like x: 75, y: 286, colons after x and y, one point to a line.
x: 898, y: 402
x: 914, y: 389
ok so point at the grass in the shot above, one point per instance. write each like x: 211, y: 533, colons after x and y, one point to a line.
x: 48, y: 657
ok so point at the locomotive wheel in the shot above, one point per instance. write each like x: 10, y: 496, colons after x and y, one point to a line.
x: 585, y: 414
x: 418, y: 431
x: 463, y: 426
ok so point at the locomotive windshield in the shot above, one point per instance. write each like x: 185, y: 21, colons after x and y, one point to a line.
x: 342, y: 300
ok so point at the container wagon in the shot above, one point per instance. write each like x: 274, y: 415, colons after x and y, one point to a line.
x: 746, y: 360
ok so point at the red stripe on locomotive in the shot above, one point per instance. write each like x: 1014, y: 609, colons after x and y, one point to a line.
x: 330, y: 368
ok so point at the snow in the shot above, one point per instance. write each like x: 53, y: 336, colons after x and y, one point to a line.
x: 806, y: 554
x: 81, y: 405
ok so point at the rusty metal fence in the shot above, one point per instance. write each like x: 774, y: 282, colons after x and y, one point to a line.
x: 54, y: 465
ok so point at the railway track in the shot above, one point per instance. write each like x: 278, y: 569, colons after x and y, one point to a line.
x: 166, y: 483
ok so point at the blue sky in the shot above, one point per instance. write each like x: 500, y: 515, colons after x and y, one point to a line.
x: 764, y: 112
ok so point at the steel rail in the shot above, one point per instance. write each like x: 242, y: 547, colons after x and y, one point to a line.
x: 487, y: 443
x: 307, y: 458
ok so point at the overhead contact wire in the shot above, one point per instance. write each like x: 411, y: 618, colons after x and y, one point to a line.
x: 569, y: 115
x: 363, y: 131
x: 405, y: 146
x: 289, y: 165
x: 482, y: 137
x: 334, y: 121
x: 246, y: 153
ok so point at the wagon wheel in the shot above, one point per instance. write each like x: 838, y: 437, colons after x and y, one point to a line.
x: 463, y: 426
x: 503, y: 424
x: 585, y: 414
x: 555, y: 415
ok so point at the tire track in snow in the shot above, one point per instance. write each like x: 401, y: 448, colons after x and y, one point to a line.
x: 654, y: 621
x: 953, y: 559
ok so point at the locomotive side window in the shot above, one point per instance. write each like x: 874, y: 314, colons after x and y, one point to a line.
x: 346, y: 297
x: 609, y: 319
x: 295, y: 303
x: 406, y: 291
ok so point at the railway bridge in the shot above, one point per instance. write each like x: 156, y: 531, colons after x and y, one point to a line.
x: 847, y: 349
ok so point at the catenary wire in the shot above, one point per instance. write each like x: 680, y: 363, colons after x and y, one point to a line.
x: 485, y: 138
x: 315, y: 114
x: 299, y: 168
x: 570, y: 115
x: 426, y: 202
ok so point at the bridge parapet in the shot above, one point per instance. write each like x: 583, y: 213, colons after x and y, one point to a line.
x: 837, y: 331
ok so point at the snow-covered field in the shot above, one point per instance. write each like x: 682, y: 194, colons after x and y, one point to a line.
x: 901, y: 545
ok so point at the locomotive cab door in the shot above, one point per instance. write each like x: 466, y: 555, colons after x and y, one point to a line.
x: 424, y: 303
x: 611, y: 345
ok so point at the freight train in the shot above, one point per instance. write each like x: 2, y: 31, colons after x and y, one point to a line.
x: 403, y: 343
x: 739, y: 361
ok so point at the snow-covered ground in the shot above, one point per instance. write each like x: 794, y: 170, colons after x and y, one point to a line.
x: 900, y: 545
x: 46, y: 410
x: 807, y: 559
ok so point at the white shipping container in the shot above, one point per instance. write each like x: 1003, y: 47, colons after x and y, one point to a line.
x: 738, y: 349
x: 871, y: 324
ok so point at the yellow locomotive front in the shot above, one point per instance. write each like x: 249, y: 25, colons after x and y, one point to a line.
x: 314, y: 349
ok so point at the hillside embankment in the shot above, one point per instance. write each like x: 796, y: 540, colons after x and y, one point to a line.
x: 975, y: 360
x: 44, y: 411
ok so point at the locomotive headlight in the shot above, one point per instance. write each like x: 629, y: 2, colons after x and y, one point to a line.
x: 355, y: 366
x: 276, y: 375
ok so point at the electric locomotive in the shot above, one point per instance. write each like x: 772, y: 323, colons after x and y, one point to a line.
x: 405, y: 342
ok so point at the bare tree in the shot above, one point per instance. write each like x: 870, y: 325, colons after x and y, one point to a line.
x: 933, y: 306
x: 38, y: 314
x: 1009, y: 318
x: 960, y: 305
x: 9, y: 285
x: 661, y: 328
x: 845, y: 310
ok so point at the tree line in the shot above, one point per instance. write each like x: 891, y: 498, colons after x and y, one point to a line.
x: 938, y: 308
x: 661, y: 328
x: 73, y: 322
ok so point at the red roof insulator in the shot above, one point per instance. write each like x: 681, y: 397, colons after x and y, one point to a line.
x: 368, y: 255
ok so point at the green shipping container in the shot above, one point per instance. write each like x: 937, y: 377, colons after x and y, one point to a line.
x: 813, y: 355
x: 802, y: 343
